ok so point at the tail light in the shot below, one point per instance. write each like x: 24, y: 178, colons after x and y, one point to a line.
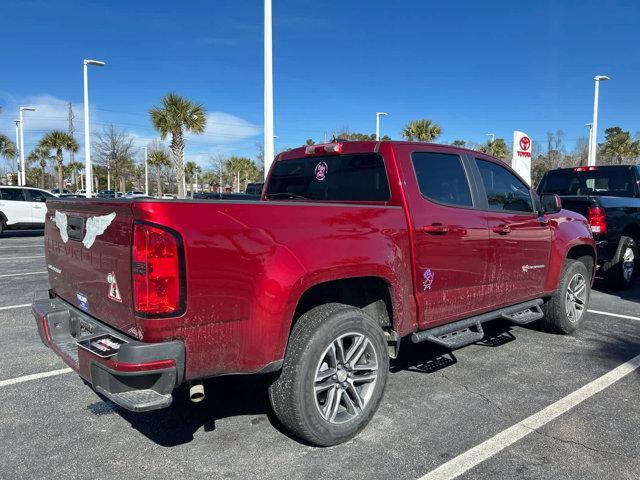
x: 597, y: 220
x: 158, y: 271
x: 323, y: 149
x: 585, y: 169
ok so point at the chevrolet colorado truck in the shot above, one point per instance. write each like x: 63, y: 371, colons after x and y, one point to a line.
x: 351, y: 247
x: 609, y: 196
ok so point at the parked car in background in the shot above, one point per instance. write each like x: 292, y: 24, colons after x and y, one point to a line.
x: 56, y: 191
x: 23, y: 207
x: 225, y: 196
x: 106, y: 194
x: 168, y: 196
x: 254, y: 188
x: 81, y: 192
x: 609, y: 197
x: 353, y: 246
x: 119, y: 194
x: 135, y: 194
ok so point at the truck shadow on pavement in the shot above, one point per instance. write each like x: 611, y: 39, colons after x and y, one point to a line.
x: 246, y: 395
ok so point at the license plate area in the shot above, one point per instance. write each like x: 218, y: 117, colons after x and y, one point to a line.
x: 104, y: 345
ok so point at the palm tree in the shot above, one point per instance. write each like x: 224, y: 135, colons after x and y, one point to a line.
x: 177, y: 115
x: 421, y: 131
x: 41, y: 156
x: 496, y: 148
x: 190, y: 169
x: 59, y: 140
x: 7, y: 147
x: 158, y: 158
x: 74, y: 168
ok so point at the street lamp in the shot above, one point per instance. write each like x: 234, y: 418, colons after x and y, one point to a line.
x: 378, y: 115
x: 146, y: 173
x: 268, y: 90
x: 492, y: 135
x: 87, y: 140
x: 594, y: 127
x: 18, y: 153
x: 23, y: 178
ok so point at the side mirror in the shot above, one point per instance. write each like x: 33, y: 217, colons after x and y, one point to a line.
x: 550, y: 203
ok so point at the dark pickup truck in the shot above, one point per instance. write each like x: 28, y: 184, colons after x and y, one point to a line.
x: 609, y: 197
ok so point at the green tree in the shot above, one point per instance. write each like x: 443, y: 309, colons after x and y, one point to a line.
x: 176, y: 116
x: 40, y: 156
x: 158, y: 158
x: 309, y: 142
x: 497, y: 148
x: 421, y: 131
x: 190, y: 169
x: 74, y: 169
x: 248, y: 170
x: 619, y: 145
x: 59, y: 141
x: 7, y: 147
x: 459, y: 143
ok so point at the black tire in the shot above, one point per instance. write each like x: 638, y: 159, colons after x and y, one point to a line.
x: 293, y: 395
x: 615, y: 272
x: 1, y: 225
x: 557, y: 318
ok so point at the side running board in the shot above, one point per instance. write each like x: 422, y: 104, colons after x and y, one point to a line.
x: 469, y: 330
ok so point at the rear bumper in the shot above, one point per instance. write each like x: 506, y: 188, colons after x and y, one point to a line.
x: 140, y: 377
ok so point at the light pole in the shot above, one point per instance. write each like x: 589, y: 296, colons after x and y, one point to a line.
x: 492, y: 135
x: 589, y: 125
x: 378, y: 115
x: 87, y: 140
x: 18, y: 177
x: 594, y: 125
x: 23, y: 168
x: 268, y: 89
x: 146, y: 173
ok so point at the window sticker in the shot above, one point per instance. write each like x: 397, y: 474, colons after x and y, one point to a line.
x: 321, y: 171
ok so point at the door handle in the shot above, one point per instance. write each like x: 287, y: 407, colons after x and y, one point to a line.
x: 436, y: 229
x: 38, y: 207
x: 502, y: 229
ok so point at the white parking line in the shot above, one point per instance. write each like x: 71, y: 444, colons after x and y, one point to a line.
x: 21, y: 274
x: 21, y: 258
x: 487, y: 449
x: 33, y: 245
x: 35, y: 376
x: 628, y: 317
x: 11, y: 307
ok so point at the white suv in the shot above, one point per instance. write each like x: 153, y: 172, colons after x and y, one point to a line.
x: 22, y: 207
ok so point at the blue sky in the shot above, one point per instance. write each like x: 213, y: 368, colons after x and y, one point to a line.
x: 473, y: 67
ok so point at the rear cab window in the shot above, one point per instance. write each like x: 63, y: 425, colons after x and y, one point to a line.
x: 441, y: 178
x: 14, y: 194
x: 358, y: 177
x: 583, y: 181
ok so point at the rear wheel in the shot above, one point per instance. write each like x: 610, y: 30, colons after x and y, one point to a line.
x: 564, y: 312
x: 334, y: 374
x: 620, y: 272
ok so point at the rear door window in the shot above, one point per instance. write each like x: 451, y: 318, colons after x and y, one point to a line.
x: 356, y: 177
x: 441, y: 178
x: 504, y: 190
x: 15, y: 194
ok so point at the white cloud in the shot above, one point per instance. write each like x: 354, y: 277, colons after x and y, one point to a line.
x: 224, y: 128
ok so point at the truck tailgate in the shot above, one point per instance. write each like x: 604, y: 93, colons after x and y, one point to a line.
x: 578, y: 204
x: 88, y: 257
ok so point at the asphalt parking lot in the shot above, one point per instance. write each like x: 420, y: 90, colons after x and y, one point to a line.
x: 479, y: 412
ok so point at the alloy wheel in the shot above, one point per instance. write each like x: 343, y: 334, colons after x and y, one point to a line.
x: 345, y: 377
x: 576, y: 297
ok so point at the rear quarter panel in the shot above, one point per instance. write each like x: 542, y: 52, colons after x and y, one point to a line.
x: 248, y: 264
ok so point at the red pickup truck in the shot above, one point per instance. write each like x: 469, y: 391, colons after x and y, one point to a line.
x: 351, y: 247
